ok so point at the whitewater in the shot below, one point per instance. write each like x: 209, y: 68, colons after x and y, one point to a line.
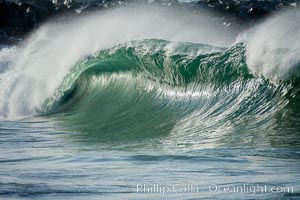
x: 93, y: 106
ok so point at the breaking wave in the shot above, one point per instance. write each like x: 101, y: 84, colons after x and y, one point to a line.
x: 138, y: 75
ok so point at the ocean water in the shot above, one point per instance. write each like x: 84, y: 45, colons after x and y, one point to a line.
x: 151, y: 104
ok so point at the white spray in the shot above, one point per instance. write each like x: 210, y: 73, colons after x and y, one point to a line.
x: 273, y: 47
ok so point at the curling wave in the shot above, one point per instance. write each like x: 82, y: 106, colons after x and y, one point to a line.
x: 155, y: 87
x: 116, y: 82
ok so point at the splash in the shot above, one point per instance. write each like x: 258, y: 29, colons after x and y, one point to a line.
x: 273, y: 47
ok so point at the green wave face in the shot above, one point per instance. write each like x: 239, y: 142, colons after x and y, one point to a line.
x: 149, y: 89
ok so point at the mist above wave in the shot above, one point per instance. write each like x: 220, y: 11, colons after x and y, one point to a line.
x: 273, y: 47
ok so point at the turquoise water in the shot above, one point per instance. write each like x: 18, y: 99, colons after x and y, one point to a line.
x: 192, y: 122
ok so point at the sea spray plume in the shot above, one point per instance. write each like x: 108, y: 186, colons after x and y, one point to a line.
x: 273, y: 47
x: 50, y: 53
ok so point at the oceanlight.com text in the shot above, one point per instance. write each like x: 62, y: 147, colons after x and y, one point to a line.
x: 251, y: 189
